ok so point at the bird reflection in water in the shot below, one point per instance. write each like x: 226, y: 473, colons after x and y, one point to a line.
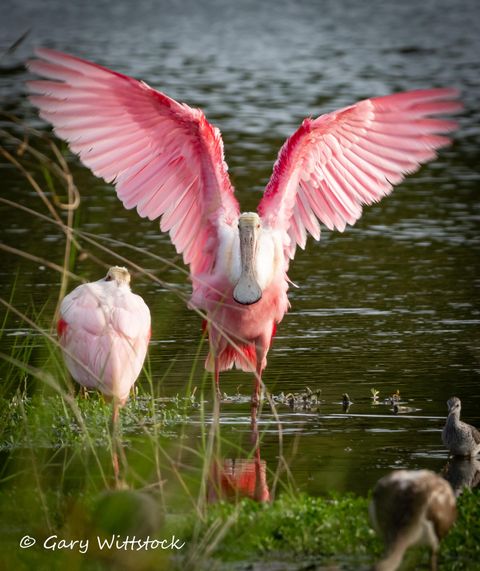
x: 462, y: 472
x: 235, y: 478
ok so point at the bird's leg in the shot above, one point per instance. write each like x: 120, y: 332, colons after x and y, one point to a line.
x: 114, y: 435
x: 217, y: 377
x: 433, y: 560
x: 261, y: 491
x: 253, y: 426
x: 257, y: 385
x: 260, y: 354
x: 115, y: 415
x: 116, y: 466
x: 394, y: 555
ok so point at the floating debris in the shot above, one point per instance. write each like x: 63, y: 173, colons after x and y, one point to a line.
x: 237, y: 398
x: 346, y: 402
x: 392, y: 399
x: 400, y: 409
x: 304, y: 400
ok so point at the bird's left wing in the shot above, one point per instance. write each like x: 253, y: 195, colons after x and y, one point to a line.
x: 334, y: 164
x: 164, y: 157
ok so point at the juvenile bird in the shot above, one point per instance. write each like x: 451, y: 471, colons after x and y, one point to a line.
x: 411, y: 507
x: 104, y: 330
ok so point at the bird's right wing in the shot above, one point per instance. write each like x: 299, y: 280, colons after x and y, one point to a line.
x: 164, y: 157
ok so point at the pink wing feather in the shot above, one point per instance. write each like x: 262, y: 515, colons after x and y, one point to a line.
x: 334, y: 164
x: 164, y: 157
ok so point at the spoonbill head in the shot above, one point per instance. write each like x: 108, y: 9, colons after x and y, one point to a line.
x: 121, y: 276
x: 167, y: 160
x: 247, y: 290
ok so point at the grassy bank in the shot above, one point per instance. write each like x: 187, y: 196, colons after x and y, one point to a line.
x: 292, y: 533
x: 310, y: 532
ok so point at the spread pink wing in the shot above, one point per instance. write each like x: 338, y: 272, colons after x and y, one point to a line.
x: 333, y: 165
x: 164, y: 157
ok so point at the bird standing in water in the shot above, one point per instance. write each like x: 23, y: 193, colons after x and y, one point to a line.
x: 104, y: 331
x: 167, y: 160
x: 460, y: 438
x: 411, y: 507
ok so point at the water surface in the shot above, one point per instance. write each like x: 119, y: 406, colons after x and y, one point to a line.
x: 391, y: 303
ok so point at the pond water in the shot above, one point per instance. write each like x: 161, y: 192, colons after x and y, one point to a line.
x: 390, y: 304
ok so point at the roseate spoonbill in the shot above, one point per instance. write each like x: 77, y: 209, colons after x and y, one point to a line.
x: 460, y: 438
x: 104, y: 330
x: 411, y: 507
x: 167, y: 160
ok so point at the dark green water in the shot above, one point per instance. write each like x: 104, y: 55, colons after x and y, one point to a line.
x: 392, y: 303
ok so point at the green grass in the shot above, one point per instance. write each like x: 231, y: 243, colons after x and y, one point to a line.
x: 332, y: 530
x: 289, y: 528
x: 298, y: 531
x: 47, y: 422
x: 461, y: 548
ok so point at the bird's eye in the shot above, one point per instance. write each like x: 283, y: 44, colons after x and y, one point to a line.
x: 108, y: 279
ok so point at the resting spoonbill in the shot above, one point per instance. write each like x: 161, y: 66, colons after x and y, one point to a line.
x: 104, y: 330
x: 167, y: 160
